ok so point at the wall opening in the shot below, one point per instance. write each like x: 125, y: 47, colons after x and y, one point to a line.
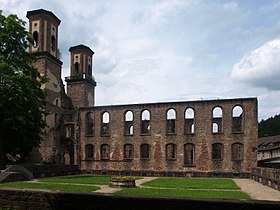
x: 217, y: 120
x: 89, y: 124
x: 237, y: 119
x: 35, y: 39
x: 189, y: 121
x: 189, y: 155
x: 89, y: 150
x: 128, y: 123
x: 128, y: 151
x: 171, y: 151
x: 76, y: 69
x: 53, y: 43
x: 145, y: 122
x: 171, y: 121
x: 217, y: 151
x: 105, y: 152
x: 237, y: 151
x: 144, y: 151
x: 105, y: 125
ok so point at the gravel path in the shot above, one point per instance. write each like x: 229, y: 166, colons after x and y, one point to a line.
x: 257, y: 190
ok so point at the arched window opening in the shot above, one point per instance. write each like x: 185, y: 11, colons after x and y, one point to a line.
x: 237, y: 151
x: 189, y: 155
x: 144, y: 151
x: 237, y: 119
x: 145, y: 122
x: 89, y: 124
x: 105, y: 128
x: 89, y: 151
x: 189, y: 121
x: 69, y: 130
x: 76, y: 70
x: 53, y: 43
x: 131, y: 130
x: 105, y: 152
x: 217, y: 151
x: 217, y: 120
x: 192, y: 129
x: 170, y: 151
x: 128, y: 124
x: 89, y: 71
x: 215, y: 128
x: 128, y: 151
x: 170, y: 121
x: 35, y: 39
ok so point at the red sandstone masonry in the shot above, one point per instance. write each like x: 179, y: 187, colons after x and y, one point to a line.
x: 202, y: 139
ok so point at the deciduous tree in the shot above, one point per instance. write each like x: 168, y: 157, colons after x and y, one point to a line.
x: 21, y: 97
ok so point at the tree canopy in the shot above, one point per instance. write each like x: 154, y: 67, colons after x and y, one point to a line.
x: 270, y: 126
x: 22, y: 100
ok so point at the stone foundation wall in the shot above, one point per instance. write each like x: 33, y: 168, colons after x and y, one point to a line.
x: 167, y: 173
x: 267, y: 176
x: 53, y: 170
x: 30, y: 199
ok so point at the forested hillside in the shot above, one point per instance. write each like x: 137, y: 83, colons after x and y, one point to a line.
x: 270, y: 126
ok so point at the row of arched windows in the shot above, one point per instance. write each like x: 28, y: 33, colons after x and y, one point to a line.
x: 217, y: 121
x: 171, y: 152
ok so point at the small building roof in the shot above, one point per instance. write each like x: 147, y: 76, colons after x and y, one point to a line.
x: 269, y: 142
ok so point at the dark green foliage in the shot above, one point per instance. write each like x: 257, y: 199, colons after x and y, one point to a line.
x: 270, y: 126
x: 21, y: 99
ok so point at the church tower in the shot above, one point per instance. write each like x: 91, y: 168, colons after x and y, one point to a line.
x: 81, y: 83
x: 43, y: 26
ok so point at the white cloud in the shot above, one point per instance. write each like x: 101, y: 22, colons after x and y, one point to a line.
x: 166, y: 50
x: 230, y: 5
x: 261, y: 67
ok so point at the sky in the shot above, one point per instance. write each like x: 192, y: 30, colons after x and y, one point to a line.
x: 150, y: 51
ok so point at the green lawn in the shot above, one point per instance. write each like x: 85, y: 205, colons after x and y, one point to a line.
x: 189, y: 187
x: 50, y: 186
x: 178, y: 187
x: 98, y: 180
x: 220, y: 194
x: 193, y: 183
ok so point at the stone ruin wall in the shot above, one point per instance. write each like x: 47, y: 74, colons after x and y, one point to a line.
x: 203, y: 138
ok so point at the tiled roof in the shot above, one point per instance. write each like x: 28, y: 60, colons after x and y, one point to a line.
x: 268, y: 143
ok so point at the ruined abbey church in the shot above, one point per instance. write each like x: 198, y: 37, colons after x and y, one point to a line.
x: 163, y: 139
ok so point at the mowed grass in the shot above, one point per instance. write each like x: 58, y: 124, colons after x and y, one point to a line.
x: 189, y: 187
x: 193, y: 183
x: 50, y: 186
x: 98, y: 180
x: 161, y: 187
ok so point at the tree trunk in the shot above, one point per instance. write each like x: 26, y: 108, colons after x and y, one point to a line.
x: 2, y: 155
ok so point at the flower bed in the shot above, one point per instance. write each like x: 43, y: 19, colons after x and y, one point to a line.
x: 122, y: 181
